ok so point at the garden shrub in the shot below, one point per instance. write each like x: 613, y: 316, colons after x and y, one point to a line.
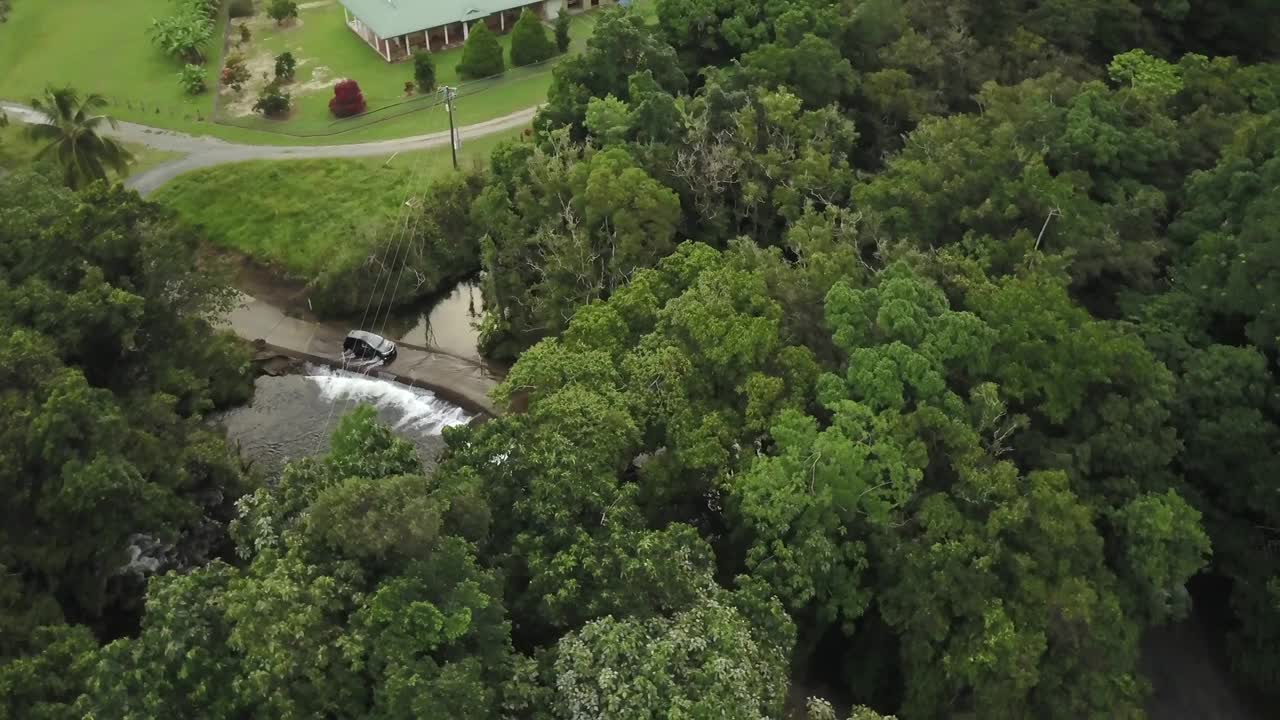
x: 285, y: 66
x: 281, y: 10
x: 347, y: 99
x: 529, y: 41
x: 235, y: 74
x: 192, y: 79
x: 4, y: 10
x: 241, y: 8
x: 184, y: 36
x: 424, y: 71
x: 272, y: 101
x: 245, y: 35
x: 482, y: 55
x: 563, y: 20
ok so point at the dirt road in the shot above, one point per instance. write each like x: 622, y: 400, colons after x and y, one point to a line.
x: 203, y: 151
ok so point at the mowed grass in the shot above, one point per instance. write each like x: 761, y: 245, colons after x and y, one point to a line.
x: 327, y: 50
x: 17, y: 152
x: 101, y: 47
x: 293, y: 216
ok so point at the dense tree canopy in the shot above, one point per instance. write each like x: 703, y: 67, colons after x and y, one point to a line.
x: 108, y: 366
x: 917, y: 354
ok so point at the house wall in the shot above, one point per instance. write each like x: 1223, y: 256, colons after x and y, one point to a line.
x: 498, y: 22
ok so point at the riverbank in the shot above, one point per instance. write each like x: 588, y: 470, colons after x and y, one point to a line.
x: 458, y: 380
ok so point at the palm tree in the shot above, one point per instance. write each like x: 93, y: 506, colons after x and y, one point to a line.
x: 72, y: 130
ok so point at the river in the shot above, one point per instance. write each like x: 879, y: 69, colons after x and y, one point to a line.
x: 292, y: 416
x: 447, y: 325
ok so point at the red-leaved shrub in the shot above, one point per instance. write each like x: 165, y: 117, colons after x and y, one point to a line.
x: 347, y: 99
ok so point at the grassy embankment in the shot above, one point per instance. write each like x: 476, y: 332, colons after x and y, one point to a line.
x: 294, y: 216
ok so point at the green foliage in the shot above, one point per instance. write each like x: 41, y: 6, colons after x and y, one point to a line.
x: 608, y: 120
x: 180, y: 663
x: 813, y: 69
x: 443, y: 247
x: 240, y: 8
x: 424, y: 71
x: 186, y: 35
x: 621, y: 46
x: 989, y: 183
x: 1151, y: 79
x: 702, y: 662
x: 282, y: 11
x: 285, y: 66
x: 620, y: 219
x: 931, y: 344
x: 46, y: 683
x: 359, y: 596
x: 1164, y: 544
x: 529, y: 41
x: 563, y: 22
x: 110, y: 366
x: 818, y: 709
x: 74, y: 136
x: 482, y: 55
x: 272, y: 102
x: 192, y: 79
x: 1214, y: 328
x: 234, y: 73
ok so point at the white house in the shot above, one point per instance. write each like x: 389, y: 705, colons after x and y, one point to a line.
x: 396, y: 29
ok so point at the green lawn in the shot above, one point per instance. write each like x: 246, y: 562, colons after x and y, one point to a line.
x: 16, y: 151
x: 327, y: 50
x: 98, y: 47
x: 103, y: 47
x: 293, y: 215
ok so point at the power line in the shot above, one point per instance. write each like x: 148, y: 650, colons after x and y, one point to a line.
x: 383, y: 267
x: 450, y: 94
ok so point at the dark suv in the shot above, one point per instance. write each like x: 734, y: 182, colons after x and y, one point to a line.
x: 361, y: 344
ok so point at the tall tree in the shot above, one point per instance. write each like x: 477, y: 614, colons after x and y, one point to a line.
x: 74, y: 137
x: 482, y: 55
x: 109, y: 365
x: 529, y: 41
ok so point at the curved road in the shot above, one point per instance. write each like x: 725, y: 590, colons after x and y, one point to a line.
x: 458, y: 380
x: 204, y: 151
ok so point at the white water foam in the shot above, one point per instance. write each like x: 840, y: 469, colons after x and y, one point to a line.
x: 415, y: 409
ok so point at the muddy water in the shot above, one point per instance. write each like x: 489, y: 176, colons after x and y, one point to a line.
x: 444, y: 324
x: 292, y: 416
x: 449, y: 325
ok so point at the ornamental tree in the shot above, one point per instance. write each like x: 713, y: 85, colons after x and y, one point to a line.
x: 347, y: 99
x: 529, y: 41
x: 282, y: 11
x: 482, y: 55
x: 563, y: 21
x: 424, y: 71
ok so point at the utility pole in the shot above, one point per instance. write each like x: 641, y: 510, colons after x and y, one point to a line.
x: 449, y: 94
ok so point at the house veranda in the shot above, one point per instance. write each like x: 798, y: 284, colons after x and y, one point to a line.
x: 396, y: 29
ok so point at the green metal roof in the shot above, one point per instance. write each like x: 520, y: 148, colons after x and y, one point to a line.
x: 392, y: 18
